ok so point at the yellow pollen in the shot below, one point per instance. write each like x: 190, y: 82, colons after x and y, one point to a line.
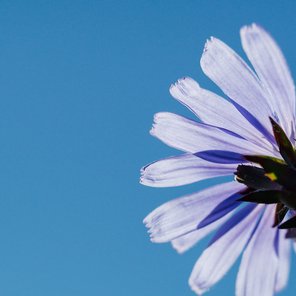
x: 272, y: 176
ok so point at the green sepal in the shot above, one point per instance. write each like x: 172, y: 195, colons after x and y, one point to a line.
x: 280, y: 213
x: 276, y: 170
x: 291, y: 223
x: 288, y: 199
x: 263, y: 196
x: 255, y: 178
x: 286, y: 149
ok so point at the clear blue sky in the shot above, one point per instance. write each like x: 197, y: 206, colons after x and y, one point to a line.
x: 79, y: 84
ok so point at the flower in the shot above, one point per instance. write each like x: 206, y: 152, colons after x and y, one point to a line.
x: 249, y: 134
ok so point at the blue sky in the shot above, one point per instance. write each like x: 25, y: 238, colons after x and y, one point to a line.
x: 79, y: 84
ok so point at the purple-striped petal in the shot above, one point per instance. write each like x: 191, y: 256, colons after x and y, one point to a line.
x: 284, y: 253
x: 181, y: 170
x: 215, y: 110
x: 185, y: 242
x: 224, y: 249
x: 215, y: 144
x: 271, y: 68
x: 190, y: 136
x: 222, y: 65
x: 221, y: 157
x: 258, y: 270
x: 183, y: 215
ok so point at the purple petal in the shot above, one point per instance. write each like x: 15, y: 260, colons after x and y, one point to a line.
x: 256, y: 123
x: 220, y: 156
x: 215, y: 218
x: 259, y: 265
x: 284, y: 261
x: 181, y: 216
x: 181, y: 170
x: 190, y: 136
x: 224, y: 207
x: 224, y: 249
x: 215, y: 110
x: 271, y: 67
x: 185, y: 242
x: 222, y: 65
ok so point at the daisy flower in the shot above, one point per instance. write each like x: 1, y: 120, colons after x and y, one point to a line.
x: 249, y: 134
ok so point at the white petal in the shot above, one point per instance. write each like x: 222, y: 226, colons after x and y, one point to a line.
x: 284, y: 253
x: 225, y: 248
x: 271, y: 68
x: 222, y: 65
x: 258, y: 269
x: 215, y: 110
x: 183, y: 215
x: 181, y: 170
x: 190, y: 136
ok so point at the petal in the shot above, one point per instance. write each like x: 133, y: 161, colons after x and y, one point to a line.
x: 258, y: 269
x: 224, y: 249
x: 284, y: 261
x: 190, y: 136
x: 222, y: 157
x: 215, y: 110
x: 271, y: 68
x: 183, y: 215
x: 181, y: 170
x: 185, y: 242
x: 222, y: 65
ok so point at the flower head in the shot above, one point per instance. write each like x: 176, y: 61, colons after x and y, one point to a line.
x: 249, y: 134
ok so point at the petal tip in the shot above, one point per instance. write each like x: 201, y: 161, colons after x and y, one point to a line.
x: 208, y: 43
x: 185, y: 86
x: 146, y: 221
x: 179, y: 249
x: 253, y: 28
x: 146, y: 178
x: 142, y: 180
x: 208, y: 51
x: 195, y: 288
x: 152, y: 130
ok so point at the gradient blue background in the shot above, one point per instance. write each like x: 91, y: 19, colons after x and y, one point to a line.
x: 79, y: 84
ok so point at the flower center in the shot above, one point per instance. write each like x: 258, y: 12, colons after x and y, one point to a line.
x: 274, y: 182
